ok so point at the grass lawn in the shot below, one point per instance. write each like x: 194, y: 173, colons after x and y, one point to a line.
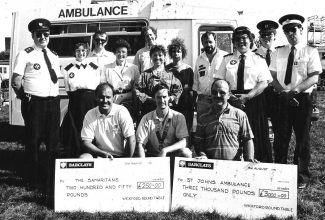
x: 18, y: 202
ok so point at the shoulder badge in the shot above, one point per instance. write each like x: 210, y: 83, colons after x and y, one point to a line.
x: 53, y: 52
x: 279, y: 47
x: 94, y: 66
x: 260, y: 55
x: 68, y: 67
x: 29, y: 49
x: 229, y: 54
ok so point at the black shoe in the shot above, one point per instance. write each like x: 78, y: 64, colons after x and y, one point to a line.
x: 302, y: 185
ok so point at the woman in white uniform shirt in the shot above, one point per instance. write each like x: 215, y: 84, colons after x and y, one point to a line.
x: 122, y: 75
x: 248, y: 75
x: 81, y: 79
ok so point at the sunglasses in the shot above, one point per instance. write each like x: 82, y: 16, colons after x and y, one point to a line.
x: 216, y: 93
x: 80, y: 51
x: 264, y: 35
x: 39, y: 34
x: 98, y: 40
x: 290, y: 29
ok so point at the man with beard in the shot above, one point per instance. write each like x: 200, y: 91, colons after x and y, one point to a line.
x: 109, y: 125
x: 35, y: 82
x: 224, y: 132
x: 206, y: 65
x: 295, y: 69
x: 142, y: 57
x: 162, y: 132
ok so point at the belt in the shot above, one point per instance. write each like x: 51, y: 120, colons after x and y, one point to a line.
x: 240, y: 92
x: 46, y: 98
x: 121, y: 91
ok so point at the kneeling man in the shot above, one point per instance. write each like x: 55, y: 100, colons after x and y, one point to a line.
x: 224, y: 132
x: 108, y: 129
x: 162, y: 132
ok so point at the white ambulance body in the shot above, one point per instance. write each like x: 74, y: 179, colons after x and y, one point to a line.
x: 120, y: 19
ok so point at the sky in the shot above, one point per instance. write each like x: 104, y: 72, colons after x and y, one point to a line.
x: 253, y: 10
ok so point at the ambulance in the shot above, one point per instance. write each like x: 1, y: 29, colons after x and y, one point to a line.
x: 120, y: 19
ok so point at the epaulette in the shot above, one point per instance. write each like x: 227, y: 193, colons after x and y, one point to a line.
x: 68, y: 67
x: 254, y: 51
x: 260, y: 55
x: 29, y: 49
x: 229, y: 54
x: 94, y: 66
x: 55, y: 53
x: 313, y: 46
x: 279, y: 47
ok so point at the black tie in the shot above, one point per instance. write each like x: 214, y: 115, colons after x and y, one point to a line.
x: 54, y: 78
x: 268, y: 57
x: 287, y: 78
x: 240, y: 74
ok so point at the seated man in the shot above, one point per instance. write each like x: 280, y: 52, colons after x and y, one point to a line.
x: 163, y: 131
x: 109, y: 125
x: 224, y: 132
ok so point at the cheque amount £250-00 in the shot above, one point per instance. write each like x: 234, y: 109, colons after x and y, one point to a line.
x: 150, y: 185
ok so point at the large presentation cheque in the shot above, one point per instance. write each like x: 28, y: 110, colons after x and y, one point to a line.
x: 235, y: 188
x: 126, y: 184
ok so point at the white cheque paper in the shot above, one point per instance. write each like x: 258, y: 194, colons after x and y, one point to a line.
x: 235, y: 188
x: 126, y: 184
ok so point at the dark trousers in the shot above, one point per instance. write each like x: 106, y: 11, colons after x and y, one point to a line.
x: 42, y: 123
x: 298, y: 119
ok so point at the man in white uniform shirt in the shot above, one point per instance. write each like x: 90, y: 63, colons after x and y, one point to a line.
x: 35, y: 82
x: 295, y: 69
x: 206, y: 65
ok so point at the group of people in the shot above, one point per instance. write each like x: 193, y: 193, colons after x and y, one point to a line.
x: 145, y: 109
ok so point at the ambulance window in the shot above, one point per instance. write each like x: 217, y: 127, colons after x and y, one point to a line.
x: 59, y: 29
x: 224, y: 35
x: 4, y: 70
x: 92, y: 27
x: 63, y: 46
x: 77, y: 28
x: 0, y: 69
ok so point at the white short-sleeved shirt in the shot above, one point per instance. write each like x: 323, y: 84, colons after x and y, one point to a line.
x: 108, y: 131
x: 103, y: 58
x: 30, y: 64
x: 256, y: 70
x: 121, y: 77
x: 142, y: 59
x: 150, y: 123
x: 204, y: 72
x: 306, y: 61
x: 81, y: 75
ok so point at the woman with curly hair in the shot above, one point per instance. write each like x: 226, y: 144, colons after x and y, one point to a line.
x: 184, y: 72
x: 154, y: 75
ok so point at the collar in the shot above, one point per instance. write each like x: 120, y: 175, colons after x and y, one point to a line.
x: 110, y: 114
x: 297, y: 46
x: 40, y: 49
x: 81, y: 64
x: 225, y: 111
x: 265, y: 49
x: 249, y: 52
x: 155, y: 116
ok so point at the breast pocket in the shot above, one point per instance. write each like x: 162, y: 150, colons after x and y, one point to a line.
x: 301, y: 65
